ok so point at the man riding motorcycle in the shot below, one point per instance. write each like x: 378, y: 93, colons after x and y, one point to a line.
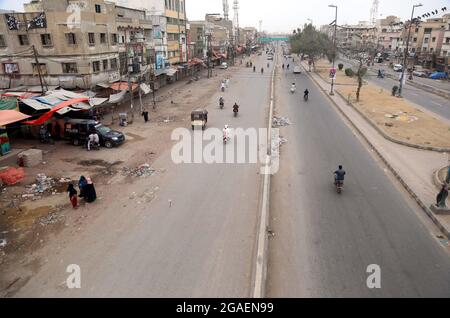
x: 235, y: 109
x: 293, y: 88
x: 221, y: 102
x: 306, y: 94
x: 226, y: 134
x: 339, y: 176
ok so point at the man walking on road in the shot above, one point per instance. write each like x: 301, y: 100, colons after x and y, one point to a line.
x: 145, y: 114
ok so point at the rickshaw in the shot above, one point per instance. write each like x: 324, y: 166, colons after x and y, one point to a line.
x: 199, y: 118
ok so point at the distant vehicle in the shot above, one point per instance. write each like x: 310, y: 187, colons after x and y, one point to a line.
x: 270, y: 57
x: 439, y: 75
x: 420, y: 74
x: 398, y: 67
x: 297, y: 70
x: 78, y: 130
x: 224, y: 66
x: 378, y: 59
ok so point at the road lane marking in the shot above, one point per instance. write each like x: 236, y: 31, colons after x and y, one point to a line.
x: 436, y: 103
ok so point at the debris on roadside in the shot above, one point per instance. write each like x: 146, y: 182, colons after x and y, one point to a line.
x: 51, y: 218
x: 280, y: 121
x: 43, y: 184
x: 144, y: 170
x: 277, y: 142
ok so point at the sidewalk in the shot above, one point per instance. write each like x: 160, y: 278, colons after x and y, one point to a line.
x: 412, y: 167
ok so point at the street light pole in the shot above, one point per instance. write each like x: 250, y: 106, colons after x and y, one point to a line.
x: 406, y: 52
x: 335, y: 47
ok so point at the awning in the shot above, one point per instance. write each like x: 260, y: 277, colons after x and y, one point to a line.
x: 121, y: 86
x: 97, y: 101
x: 104, y: 85
x: 8, y: 103
x: 117, y: 98
x: 65, y: 110
x: 160, y: 71
x: 35, y: 104
x: 41, y: 120
x: 11, y: 116
x: 171, y: 72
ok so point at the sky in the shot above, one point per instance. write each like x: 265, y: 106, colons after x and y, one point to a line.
x: 286, y: 15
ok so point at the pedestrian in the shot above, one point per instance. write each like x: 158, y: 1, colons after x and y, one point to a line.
x: 81, y: 185
x: 442, y: 197
x: 145, y: 114
x: 72, y: 195
x: 89, y: 191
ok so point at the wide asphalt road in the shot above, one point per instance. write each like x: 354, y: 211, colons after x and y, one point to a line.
x: 324, y: 242
x: 432, y: 102
x: 200, y: 245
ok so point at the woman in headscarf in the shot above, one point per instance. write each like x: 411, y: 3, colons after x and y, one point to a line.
x: 72, y: 195
x: 89, y: 191
x: 81, y: 184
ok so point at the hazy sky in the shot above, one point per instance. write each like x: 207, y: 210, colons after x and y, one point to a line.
x: 285, y: 15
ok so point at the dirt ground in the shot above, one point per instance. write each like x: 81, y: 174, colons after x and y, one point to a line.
x: 396, y: 117
x: 28, y: 220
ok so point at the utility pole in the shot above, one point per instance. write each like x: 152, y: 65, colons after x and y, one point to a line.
x: 335, y: 47
x: 406, y: 52
x: 38, y: 66
x: 208, y: 35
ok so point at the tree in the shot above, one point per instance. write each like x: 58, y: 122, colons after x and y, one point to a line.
x: 361, y: 52
x: 313, y: 43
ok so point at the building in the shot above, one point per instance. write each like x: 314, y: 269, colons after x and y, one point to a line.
x: 348, y: 36
x: 389, y: 31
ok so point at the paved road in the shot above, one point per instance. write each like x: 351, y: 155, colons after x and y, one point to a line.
x: 429, y: 101
x: 323, y: 241
x: 202, y: 246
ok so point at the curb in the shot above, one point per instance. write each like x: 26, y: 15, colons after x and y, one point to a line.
x: 385, y: 161
x: 386, y: 136
x: 262, y: 244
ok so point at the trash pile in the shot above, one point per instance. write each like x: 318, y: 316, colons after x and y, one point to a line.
x: 51, y: 218
x: 144, y: 170
x: 280, y: 121
x: 43, y: 184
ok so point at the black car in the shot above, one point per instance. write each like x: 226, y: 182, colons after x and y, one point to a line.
x: 78, y: 130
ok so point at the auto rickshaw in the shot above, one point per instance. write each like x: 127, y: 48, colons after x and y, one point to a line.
x: 199, y: 118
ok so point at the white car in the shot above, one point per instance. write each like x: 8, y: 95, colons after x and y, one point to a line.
x: 297, y: 70
x: 224, y: 66
x: 398, y: 67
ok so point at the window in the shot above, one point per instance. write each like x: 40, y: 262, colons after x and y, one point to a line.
x: 113, y: 63
x: 98, y: 8
x: 2, y: 41
x: 444, y: 53
x: 69, y: 68
x: 23, y: 39
x: 431, y: 50
x: 96, y: 66
x: 71, y: 40
x: 105, y: 65
x: 91, y: 38
x: 417, y: 30
x: 123, y: 39
x: 424, y: 49
x: 42, y: 68
x: 425, y: 40
x: 102, y: 37
x: 114, y: 38
x: 433, y: 39
x: 414, y: 39
x: 123, y: 62
x: 46, y: 39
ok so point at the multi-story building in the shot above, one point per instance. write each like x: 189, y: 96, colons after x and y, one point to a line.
x: 175, y: 12
x: 348, y: 36
x: 389, y: 32
x: 68, y: 43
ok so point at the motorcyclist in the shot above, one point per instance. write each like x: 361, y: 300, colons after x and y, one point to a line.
x: 235, y: 108
x: 226, y: 133
x: 339, y: 175
x: 282, y: 66
x: 222, y: 86
x: 306, y: 94
x: 254, y: 68
x: 262, y: 70
x: 221, y: 101
x: 288, y: 66
x: 293, y: 87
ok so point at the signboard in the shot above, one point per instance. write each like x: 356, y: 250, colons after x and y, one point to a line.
x: 264, y: 40
x: 332, y: 73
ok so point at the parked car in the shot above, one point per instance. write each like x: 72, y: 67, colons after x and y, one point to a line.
x: 78, y: 130
x: 420, y: 74
x: 398, y: 67
x: 224, y: 66
x: 439, y: 75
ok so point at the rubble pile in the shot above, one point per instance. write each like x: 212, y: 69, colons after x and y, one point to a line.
x: 144, y: 170
x: 43, y: 184
x: 51, y: 218
x: 280, y: 121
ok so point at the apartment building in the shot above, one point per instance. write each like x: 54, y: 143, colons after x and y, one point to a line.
x: 175, y: 12
x: 69, y: 43
x: 389, y: 32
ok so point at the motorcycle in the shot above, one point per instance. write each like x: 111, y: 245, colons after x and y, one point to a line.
x: 222, y: 89
x: 46, y: 138
x: 339, y: 184
x: 292, y: 89
x: 305, y: 97
x: 221, y: 104
x: 235, y: 111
